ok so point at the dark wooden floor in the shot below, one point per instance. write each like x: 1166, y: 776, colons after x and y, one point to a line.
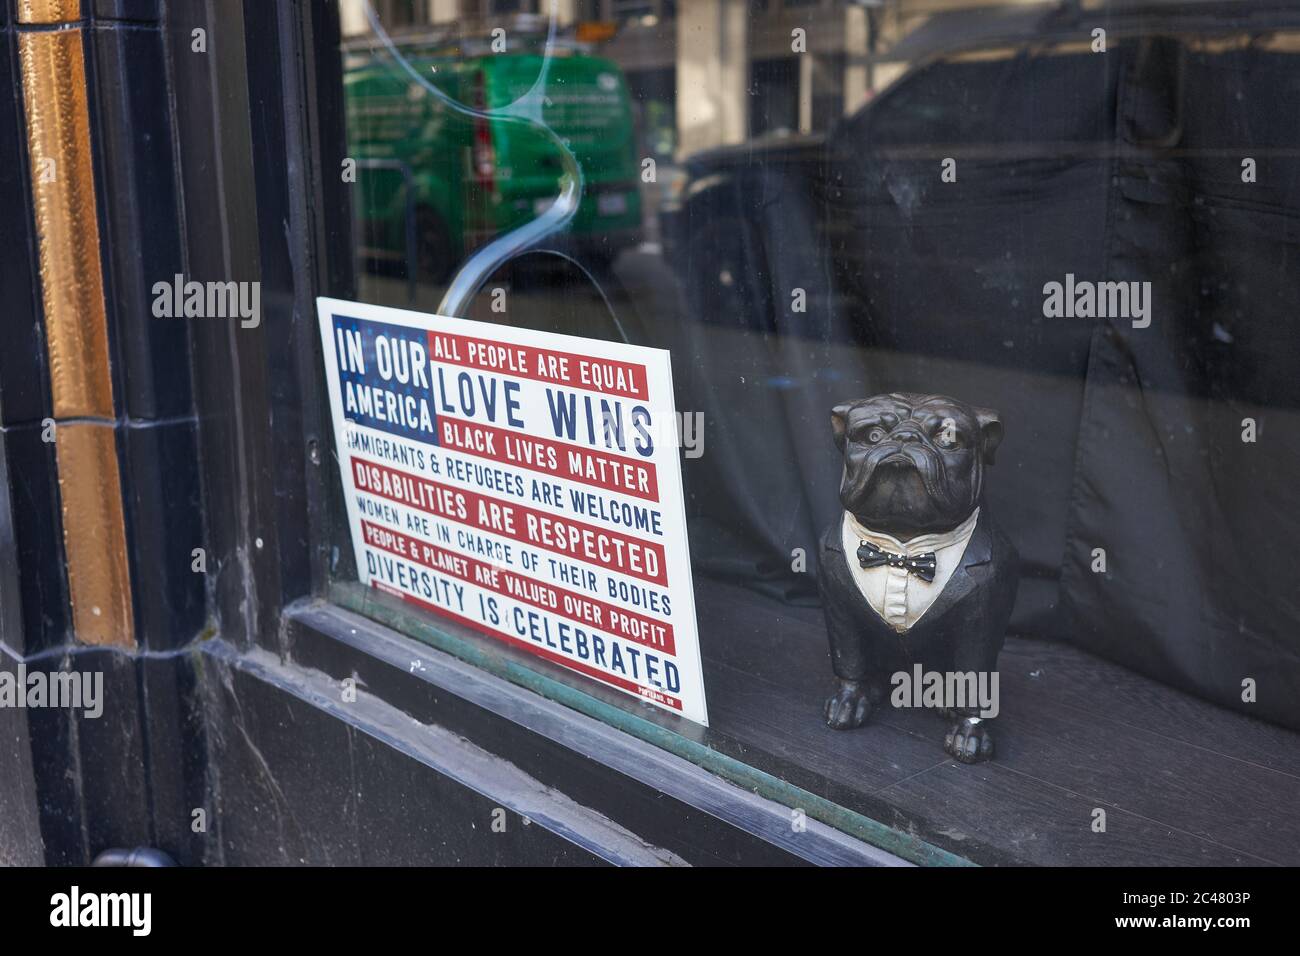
x: 1181, y: 781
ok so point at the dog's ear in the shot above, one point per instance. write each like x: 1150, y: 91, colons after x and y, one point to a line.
x: 840, y: 422
x: 990, y: 432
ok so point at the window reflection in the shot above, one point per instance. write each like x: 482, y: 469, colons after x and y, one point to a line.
x: 737, y: 156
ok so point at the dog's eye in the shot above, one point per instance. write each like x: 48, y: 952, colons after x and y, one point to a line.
x: 876, y: 435
x: 945, y: 436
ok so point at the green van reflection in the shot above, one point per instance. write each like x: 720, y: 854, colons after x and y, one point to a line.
x: 474, y: 178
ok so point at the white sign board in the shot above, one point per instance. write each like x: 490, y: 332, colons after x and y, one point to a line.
x: 521, y: 483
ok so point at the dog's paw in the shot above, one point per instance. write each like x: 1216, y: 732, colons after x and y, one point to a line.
x: 849, y: 706
x: 970, y: 740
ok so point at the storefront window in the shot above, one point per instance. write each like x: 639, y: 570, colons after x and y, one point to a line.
x: 1076, y: 226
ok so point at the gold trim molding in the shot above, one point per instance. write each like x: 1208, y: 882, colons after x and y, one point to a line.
x: 94, y: 539
x: 63, y: 184
x: 48, y: 11
x: 76, y: 325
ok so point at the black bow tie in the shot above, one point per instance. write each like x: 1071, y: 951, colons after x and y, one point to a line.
x: 922, y: 565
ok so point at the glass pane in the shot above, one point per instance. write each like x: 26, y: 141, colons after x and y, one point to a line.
x: 980, y: 320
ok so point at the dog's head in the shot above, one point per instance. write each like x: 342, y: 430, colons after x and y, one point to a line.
x: 913, y: 464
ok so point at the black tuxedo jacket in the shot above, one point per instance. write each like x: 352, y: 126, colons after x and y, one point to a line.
x: 963, y: 629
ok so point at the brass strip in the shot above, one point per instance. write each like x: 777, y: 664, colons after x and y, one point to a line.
x: 76, y: 329
x: 48, y: 11
x: 94, y: 539
x: 58, y: 142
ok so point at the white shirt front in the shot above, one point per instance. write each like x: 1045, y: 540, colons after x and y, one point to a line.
x: 896, y: 594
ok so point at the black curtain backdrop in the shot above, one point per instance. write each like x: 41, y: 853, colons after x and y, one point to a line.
x: 1123, y: 166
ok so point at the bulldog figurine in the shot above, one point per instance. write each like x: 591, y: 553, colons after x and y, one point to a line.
x: 914, y: 571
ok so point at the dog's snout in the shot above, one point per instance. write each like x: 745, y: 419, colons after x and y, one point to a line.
x: 906, y: 433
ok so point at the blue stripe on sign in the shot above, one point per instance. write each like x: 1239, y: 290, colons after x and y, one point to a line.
x: 384, y: 377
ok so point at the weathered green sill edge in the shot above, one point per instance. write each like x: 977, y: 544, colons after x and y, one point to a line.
x: 913, y: 849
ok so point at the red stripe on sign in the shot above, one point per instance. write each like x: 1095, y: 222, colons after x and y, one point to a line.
x: 611, y: 472
x: 539, y: 594
x: 612, y: 377
x: 573, y: 539
x: 651, y: 693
